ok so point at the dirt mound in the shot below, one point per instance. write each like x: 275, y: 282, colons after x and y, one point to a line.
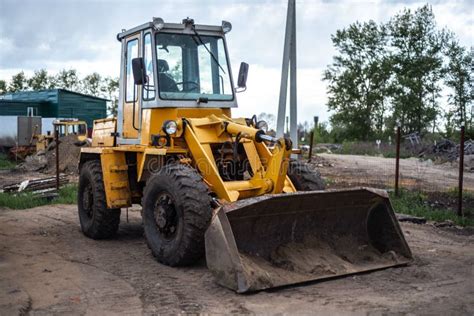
x: 69, y: 154
x: 317, y: 162
x: 45, y: 160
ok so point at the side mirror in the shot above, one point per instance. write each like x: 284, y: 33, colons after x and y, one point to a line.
x: 139, y: 72
x: 243, y: 73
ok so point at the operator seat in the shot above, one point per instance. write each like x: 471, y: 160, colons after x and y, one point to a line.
x: 165, y: 80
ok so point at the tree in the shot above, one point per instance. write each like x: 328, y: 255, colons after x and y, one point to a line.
x: 18, y: 82
x: 458, y: 79
x: 67, y: 79
x: 357, y: 80
x: 39, y: 81
x: 92, y: 84
x: 417, y: 61
x: 322, y: 133
x: 269, y: 118
x: 111, y: 86
x: 3, y: 87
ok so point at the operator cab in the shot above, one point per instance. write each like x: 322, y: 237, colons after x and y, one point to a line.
x: 174, y: 65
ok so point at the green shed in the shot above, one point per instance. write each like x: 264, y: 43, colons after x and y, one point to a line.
x: 54, y: 103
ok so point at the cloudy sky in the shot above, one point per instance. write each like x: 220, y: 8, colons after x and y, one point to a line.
x: 80, y: 34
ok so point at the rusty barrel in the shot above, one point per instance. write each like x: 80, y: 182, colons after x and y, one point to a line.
x: 277, y: 240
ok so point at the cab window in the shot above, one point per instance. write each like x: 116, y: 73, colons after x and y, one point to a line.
x: 132, y: 52
x: 192, y: 66
x: 149, y: 88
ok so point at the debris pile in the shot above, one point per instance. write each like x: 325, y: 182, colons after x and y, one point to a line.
x: 318, y: 162
x: 327, y: 148
x: 450, y: 150
x: 42, y: 187
x: 410, y: 218
x: 443, y: 147
x: 45, y: 160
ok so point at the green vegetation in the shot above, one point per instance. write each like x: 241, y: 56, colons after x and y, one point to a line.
x: 5, y: 163
x: 67, y: 195
x: 453, y: 193
x: 385, y: 74
x: 370, y: 149
x: 418, y: 204
x: 328, y: 181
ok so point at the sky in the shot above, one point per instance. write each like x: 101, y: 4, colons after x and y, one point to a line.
x: 81, y: 34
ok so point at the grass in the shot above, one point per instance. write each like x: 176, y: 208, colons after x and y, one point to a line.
x: 329, y: 181
x: 453, y: 192
x: 67, y: 195
x: 6, y: 163
x: 417, y: 204
x: 371, y: 149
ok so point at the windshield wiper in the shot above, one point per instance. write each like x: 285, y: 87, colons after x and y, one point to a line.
x: 210, y: 53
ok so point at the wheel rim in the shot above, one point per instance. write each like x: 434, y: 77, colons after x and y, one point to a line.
x: 166, y: 215
x: 87, y: 198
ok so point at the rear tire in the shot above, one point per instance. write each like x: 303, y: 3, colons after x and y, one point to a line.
x: 176, y: 213
x: 304, y: 178
x: 97, y: 221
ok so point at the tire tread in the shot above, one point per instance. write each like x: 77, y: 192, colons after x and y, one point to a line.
x: 105, y: 222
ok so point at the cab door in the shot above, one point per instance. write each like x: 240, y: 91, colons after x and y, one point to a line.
x: 132, y: 94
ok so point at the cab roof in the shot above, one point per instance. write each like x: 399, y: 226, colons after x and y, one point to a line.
x: 179, y: 27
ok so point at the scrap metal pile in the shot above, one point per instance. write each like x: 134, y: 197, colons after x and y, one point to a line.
x: 45, y: 187
x: 450, y: 150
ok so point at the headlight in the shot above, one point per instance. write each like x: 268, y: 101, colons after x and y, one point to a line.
x: 262, y: 125
x: 170, y: 127
x: 226, y: 26
x: 158, y: 23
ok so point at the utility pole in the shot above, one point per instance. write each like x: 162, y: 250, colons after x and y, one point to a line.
x: 289, y: 64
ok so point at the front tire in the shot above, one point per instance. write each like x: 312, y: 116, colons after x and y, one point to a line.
x: 97, y: 221
x: 176, y: 213
x: 304, y: 178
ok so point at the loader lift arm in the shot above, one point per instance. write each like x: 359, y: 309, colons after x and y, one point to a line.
x: 268, y: 177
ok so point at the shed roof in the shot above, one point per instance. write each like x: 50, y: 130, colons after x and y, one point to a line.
x: 49, y: 95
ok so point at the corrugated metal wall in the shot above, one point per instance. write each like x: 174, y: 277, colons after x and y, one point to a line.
x: 18, y: 108
x: 56, y: 103
x: 80, y: 106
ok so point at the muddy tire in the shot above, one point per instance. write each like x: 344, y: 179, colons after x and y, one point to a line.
x: 97, y: 221
x: 304, y: 178
x: 176, y: 213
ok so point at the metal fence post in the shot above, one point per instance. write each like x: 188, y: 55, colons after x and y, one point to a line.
x: 397, y: 161
x: 56, y: 137
x: 461, y: 172
x: 311, y: 138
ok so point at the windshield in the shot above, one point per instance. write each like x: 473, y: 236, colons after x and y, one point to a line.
x: 192, y: 67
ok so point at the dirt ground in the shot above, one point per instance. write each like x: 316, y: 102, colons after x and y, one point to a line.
x: 48, y: 267
x: 352, y: 170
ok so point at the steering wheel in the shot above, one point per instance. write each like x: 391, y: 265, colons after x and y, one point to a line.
x: 191, y: 89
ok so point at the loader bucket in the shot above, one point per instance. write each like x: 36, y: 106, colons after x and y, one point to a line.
x: 276, y: 240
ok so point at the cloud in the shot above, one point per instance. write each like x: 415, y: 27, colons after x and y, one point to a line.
x: 263, y: 89
x: 80, y: 34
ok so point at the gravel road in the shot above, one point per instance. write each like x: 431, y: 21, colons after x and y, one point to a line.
x: 353, y: 170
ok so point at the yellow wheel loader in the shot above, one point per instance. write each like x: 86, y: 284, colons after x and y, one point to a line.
x: 216, y: 185
x: 64, y: 127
